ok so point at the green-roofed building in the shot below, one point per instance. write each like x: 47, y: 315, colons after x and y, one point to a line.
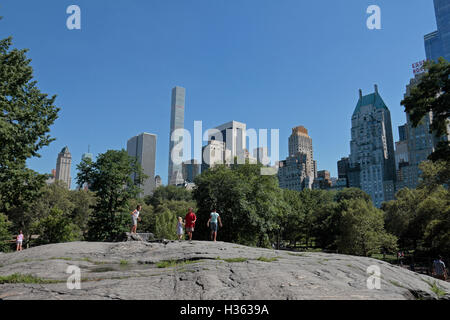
x: 372, y: 157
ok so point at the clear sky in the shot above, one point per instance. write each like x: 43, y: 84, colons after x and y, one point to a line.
x: 273, y: 64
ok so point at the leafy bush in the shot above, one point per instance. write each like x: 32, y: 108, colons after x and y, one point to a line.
x: 56, y: 227
x: 5, y: 235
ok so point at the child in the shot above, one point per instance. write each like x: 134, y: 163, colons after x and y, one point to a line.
x: 180, y: 226
x: 19, y: 241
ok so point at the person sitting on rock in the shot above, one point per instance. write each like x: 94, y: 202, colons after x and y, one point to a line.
x: 190, y: 222
x: 135, y: 218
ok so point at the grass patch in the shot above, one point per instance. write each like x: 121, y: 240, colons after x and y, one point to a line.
x: 436, y: 288
x: 62, y: 258
x: 265, y: 259
x: 235, y: 260
x: 175, y: 263
x: 123, y: 262
x: 26, y: 278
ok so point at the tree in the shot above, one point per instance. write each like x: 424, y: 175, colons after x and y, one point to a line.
x: 165, y: 224
x: 248, y: 203
x: 434, y: 174
x: 56, y: 227
x: 401, y: 217
x: 83, y: 201
x: 432, y: 95
x: 5, y: 235
x: 26, y: 115
x: 110, y: 178
x: 362, y: 230
x: 168, y: 193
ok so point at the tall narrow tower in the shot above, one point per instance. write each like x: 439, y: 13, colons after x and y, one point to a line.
x: 175, y: 175
x: 372, y: 158
x: 63, y: 167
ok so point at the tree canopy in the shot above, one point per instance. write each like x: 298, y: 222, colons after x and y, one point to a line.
x: 26, y: 115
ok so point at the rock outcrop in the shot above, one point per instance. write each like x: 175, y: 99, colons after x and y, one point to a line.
x: 202, y: 270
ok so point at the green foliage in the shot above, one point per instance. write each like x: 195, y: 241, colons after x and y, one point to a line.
x: 107, y: 226
x: 25, y: 278
x: 362, y: 229
x: 26, y: 115
x: 83, y: 203
x: 434, y: 174
x: 165, y: 224
x: 75, y: 204
x: 265, y: 259
x: 110, y: 178
x: 56, y: 227
x: 249, y: 204
x: 421, y: 219
x: 5, y: 235
x: 432, y: 94
x: 168, y: 193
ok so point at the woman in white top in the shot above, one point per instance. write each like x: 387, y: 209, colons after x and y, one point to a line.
x: 135, y: 218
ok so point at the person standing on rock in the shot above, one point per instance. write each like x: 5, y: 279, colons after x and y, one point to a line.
x: 212, y: 223
x: 180, y: 225
x: 439, y: 270
x: 135, y: 218
x: 190, y: 222
x: 19, y: 241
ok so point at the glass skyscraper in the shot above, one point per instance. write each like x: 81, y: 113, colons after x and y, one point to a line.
x: 437, y: 43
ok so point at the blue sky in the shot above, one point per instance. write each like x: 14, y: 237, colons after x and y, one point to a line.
x: 273, y: 64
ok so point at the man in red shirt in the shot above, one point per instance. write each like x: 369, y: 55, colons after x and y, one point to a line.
x: 190, y: 222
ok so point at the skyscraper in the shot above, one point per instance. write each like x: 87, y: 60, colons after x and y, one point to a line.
x: 292, y: 173
x: 176, y: 146
x: 299, y: 169
x: 63, y: 165
x: 143, y: 148
x: 420, y: 143
x: 300, y: 141
x: 191, y: 169
x: 214, y: 153
x: 158, y: 182
x: 233, y: 133
x: 437, y: 43
x: 372, y: 158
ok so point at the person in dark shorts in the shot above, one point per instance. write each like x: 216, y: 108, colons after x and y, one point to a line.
x: 214, y: 217
x: 439, y: 269
x: 190, y: 222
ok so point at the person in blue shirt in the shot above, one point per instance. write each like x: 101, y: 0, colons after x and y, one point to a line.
x: 214, y: 217
x: 439, y: 269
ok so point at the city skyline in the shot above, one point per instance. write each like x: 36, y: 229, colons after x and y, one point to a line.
x: 242, y: 95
